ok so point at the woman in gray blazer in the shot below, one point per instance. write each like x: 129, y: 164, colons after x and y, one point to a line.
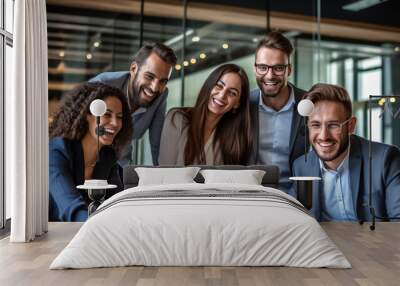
x: 217, y: 129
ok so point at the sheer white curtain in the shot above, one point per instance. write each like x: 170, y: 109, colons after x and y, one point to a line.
x: 26, y: 123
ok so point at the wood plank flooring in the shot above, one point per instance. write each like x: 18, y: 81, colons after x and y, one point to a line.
x: 374, y: 255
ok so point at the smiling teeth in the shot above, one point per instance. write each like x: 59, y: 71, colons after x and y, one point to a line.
x: 326, y: 144
x: 110, y: 131
x: 150, y: 94
x: 218, y: 102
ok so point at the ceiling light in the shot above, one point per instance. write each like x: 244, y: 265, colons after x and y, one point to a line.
x: 196, y: 39
x: 225, y: 45
x: 397, y: 49
x: 89, y: 56
x: 96, y: 44
x: 178, y: 67
x: 202, y: 56
x: 62, y: 54
x: 392, y: 99
x: 358, y: 5
x: 193, y: 61
x: 185, y: 63
x: 178, y: 38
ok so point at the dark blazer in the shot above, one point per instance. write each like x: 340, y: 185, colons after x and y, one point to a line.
x: 152, y: 119
x: 297, y: 130
x: 67, y: 170
x: 385, y: 178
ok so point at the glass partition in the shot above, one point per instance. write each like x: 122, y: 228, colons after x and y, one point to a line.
x: 85, y: 42
x: 357, y: 49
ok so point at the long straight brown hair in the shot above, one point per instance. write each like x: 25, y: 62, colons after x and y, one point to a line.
x: 233, y: 131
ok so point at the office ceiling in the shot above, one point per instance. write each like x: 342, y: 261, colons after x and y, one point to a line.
x: 74, y: 32
x: 380, y: 14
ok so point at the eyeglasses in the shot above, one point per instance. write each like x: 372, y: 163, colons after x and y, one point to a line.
x: 332, y: 127
x: 263, y: 69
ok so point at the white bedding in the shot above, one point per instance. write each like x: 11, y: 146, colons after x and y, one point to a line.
x: 264, y: 229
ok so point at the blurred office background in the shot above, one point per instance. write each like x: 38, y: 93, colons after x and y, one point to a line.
x: 355, y: 44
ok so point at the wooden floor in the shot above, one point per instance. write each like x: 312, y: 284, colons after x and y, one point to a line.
x: 374, y: 255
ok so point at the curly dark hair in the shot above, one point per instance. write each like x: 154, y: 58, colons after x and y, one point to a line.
x: 70, y: 120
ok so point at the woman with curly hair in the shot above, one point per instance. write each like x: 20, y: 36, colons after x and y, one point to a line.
x: 217, y: 129
x: 73, y: 148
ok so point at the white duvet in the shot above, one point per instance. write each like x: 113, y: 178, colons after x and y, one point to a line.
x: 233, y: 229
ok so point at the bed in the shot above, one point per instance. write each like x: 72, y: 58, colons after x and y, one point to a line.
x: 201, y: 224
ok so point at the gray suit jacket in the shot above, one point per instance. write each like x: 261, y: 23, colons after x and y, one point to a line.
x: 152, y: 118
x: 385, y: 178
x: 297, y: 130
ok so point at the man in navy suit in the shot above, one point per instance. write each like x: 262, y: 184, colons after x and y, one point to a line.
x: 341, y: 160
x: 145, y: 86
x: 276, y: 123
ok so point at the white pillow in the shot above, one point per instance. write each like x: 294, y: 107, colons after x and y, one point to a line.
x: 164, y: 176
x: 249, y: 177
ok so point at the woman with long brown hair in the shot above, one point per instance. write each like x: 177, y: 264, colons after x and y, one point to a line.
x: 73, y: 148
x: 217, y: 129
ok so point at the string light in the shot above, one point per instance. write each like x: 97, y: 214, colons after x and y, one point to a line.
x: 202, y: 56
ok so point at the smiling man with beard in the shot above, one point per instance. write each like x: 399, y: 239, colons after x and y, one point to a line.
x: 145, y: 86
x: 341, y: 160
x: 277, y: 125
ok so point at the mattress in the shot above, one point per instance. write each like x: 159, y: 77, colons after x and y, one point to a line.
x: 201, y: 225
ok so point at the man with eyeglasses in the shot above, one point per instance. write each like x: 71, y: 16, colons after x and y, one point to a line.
x: 276, y: 123
x: 340, y: 158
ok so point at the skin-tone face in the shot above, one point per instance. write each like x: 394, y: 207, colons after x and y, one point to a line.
x: 273, y: 87
x: 225, y: 95
x: 149, y: 80
x: 331, y: 146
x: 111, y: 121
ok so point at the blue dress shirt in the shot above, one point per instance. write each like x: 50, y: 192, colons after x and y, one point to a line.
x: 336, y: 199
x: 274, y: 138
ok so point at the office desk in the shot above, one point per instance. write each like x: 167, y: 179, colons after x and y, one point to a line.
x: 374, y: 255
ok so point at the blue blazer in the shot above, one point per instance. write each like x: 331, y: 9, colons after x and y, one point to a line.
x: 385, y: 178
x: 67, y: 170
x: 297, y: 130
x: 152, y: 118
